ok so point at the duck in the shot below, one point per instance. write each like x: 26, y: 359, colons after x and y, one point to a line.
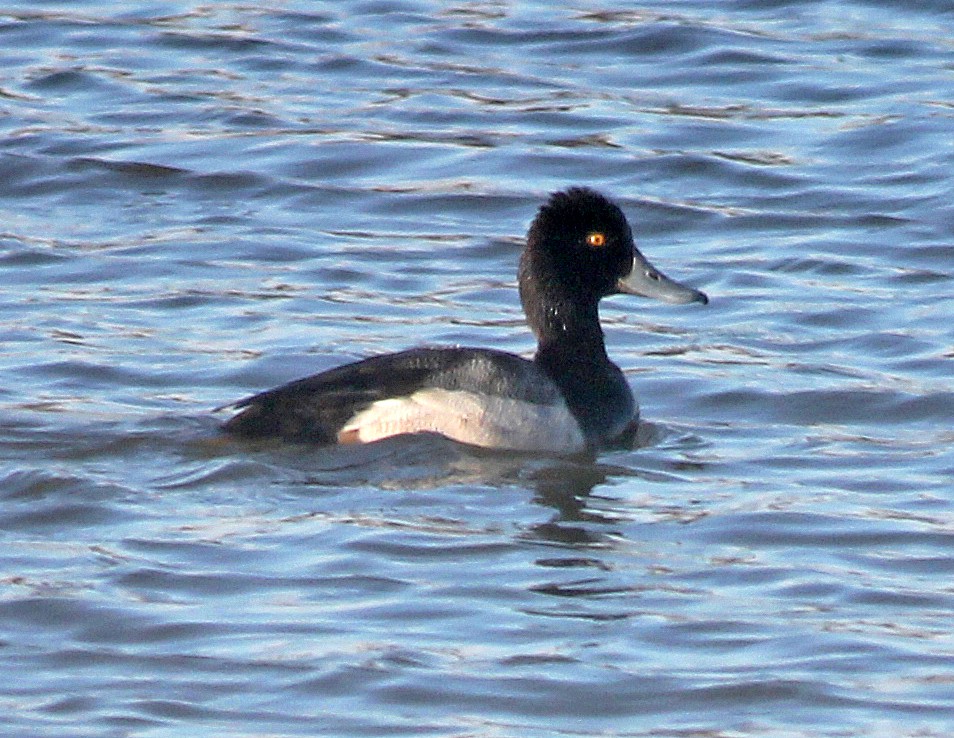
x: 567, y: 399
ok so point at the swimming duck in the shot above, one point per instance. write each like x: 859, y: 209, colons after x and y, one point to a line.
x: 569, y: 398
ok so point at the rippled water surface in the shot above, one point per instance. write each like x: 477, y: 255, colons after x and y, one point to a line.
x: 200, y: 201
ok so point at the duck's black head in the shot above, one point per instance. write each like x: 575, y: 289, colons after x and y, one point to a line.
x: 582, y: 240
x: 580, y: 249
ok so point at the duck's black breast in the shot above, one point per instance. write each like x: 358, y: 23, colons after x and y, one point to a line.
x: 480, y: 396
x: 596, y: 392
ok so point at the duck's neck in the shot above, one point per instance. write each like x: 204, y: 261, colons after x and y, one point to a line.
x: 562, y: 312
x: 568, y: 333
x: 572, y: 354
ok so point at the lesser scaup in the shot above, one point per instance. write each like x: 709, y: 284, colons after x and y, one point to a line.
x: 570, y: 397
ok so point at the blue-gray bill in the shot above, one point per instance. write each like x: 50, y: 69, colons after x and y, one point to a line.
x: 647, y: 281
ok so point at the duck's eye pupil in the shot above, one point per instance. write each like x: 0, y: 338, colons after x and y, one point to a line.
x: 596, y: 239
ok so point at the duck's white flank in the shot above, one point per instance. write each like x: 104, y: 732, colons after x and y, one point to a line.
x: 470, y: 418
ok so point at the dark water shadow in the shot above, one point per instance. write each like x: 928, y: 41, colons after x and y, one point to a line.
x: 432, y: 463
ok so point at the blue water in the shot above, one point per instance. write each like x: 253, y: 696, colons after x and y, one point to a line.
x: 201, y: 201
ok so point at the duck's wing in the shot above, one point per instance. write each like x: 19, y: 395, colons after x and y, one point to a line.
x: 317, y: 407
x: 442, y: 390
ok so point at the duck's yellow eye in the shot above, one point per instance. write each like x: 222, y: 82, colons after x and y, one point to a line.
x: 596, y: 239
